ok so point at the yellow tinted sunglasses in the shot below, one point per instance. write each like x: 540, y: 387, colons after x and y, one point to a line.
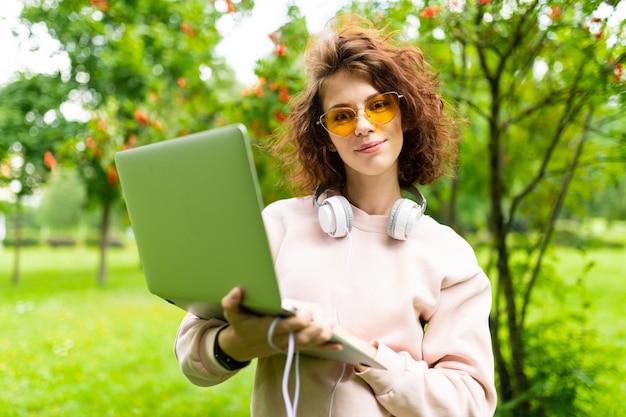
x: 380, y: 109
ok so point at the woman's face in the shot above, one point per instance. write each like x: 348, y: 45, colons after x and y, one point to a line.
x: 372, y: 149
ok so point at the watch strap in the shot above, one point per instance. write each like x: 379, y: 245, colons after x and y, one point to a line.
x: 225, y: 360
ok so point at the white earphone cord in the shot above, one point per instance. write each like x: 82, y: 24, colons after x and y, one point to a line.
x: 291, y: 407
x: 337, y: 287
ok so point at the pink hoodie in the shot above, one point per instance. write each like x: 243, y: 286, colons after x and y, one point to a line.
x: 379, y: 289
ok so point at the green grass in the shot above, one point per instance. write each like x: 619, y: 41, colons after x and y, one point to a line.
x: 593, y: 286
x: 71, y: 348
x: 597, y: 279
x: 601, y: 290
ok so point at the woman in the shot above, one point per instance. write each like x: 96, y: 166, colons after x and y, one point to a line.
x: 369, y: 124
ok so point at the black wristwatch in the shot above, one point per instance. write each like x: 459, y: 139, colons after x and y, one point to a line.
x: 225, y: 360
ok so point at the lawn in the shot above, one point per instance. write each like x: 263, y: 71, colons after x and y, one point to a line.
x: 71, y: 348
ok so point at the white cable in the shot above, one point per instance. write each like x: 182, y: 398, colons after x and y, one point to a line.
x: 337, y: 287
x: 290, y: 407
x: 286, y: 372
x: 343, y: 276
x: 332, y: 393
x: 270, y: 335
x: 297, y: 393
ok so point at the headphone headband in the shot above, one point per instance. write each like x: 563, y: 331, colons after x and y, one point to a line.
x: 316, y: 196
x: 419, y: 197
x: 411, y: 189
x: 335, y: 213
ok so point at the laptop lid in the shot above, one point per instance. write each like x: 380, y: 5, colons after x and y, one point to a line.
x: 195, y: 208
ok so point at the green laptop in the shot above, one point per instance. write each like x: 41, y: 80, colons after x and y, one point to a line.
x: 195, y: 209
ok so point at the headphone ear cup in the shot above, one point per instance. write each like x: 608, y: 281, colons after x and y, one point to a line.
x: 403, y: 216
x: 335, y: 216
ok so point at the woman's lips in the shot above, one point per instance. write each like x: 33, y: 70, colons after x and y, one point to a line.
x: 370, y: 147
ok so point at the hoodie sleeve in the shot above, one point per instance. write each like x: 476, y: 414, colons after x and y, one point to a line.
x: 194, y: 350
x: 455, y: 377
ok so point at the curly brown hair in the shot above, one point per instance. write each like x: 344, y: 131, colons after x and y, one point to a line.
x: 353, y: 44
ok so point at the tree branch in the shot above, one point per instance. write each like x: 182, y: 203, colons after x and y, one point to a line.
x: 556, y: 209
x: 571, y: 109
x: 552, y: 98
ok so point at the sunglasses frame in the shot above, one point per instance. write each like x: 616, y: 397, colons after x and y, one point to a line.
x: 320, y: 121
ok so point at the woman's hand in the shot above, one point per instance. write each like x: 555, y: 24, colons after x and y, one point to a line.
x: 246, y: 337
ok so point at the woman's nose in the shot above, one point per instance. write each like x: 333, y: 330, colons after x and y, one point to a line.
x: 363, y: 124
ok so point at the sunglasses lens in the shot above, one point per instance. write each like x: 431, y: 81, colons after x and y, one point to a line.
x: 340, y: 121
x: 380, y: 109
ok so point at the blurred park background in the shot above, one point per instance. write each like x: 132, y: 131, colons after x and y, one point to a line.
x: 539, y: 188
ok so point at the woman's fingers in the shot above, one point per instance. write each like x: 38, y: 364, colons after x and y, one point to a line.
x: 310, y: 326
x: 232, y: 300
x: 310, y: 331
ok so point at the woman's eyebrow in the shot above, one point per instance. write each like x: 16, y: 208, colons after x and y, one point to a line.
x: 340, y: 105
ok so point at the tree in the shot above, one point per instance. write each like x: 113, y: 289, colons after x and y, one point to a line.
x: 61, y: 202
x: 145, y: 69
x: 31, y: 126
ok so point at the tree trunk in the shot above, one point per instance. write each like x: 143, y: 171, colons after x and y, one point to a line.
x: 104, y: 241
x: 506, y: 386
x: 17, y: 241
x: 454, y: 191
x: 500, y: 231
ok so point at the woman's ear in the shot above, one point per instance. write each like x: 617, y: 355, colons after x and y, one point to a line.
x: 331, y: 147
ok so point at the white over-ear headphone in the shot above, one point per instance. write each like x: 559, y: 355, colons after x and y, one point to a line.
x: 335, y: 213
